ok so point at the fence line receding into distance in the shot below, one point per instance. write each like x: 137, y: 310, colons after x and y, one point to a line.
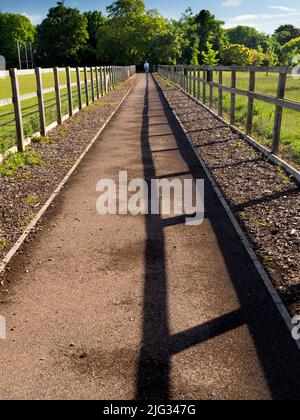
x: 83, y: 86
x: 200, y: 82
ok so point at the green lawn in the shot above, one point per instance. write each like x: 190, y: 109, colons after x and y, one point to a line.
x: 263, y: 120
x: 30, y: 107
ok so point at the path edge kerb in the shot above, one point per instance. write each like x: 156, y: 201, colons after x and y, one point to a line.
x: 11, y: 253
x: 257, y: 264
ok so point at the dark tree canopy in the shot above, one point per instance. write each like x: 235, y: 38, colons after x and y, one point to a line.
x: 126, y: 36
x: 209, y: 29
x: 61, y: 36
x: 95, y: 20
x: 286, y: 33
x: 87, y: 54
x: 247, y: 36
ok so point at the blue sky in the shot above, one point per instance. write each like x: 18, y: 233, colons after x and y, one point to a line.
x: 265, y: 15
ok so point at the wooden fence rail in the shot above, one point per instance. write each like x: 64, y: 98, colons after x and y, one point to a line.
x: 183, y: 76
x: 102, y: 80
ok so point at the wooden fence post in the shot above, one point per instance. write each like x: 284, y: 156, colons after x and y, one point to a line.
x: 86, y: 87
x: 194, y: 83
x: 198, y: 84
x: 92, y: 84
x: 108, y: 79
x: 220, y: 108
x: 17, y: 109
x: 232, y: 109
x: 39, y: 85
x: 101, y: 81
x: 114, y: 76
x: 70, y: 97
x: 97, y: 82
x: 57, y: 93
x: 211, y: 89
x: 189, y: 82
x: 111, y: 74
x: 278, y: 113
x: 79, y: 88
x: 105, y: 80
x: 204, y: 86
x: 250, y: 103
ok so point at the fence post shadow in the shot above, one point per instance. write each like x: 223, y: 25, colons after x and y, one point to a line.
x: 256, y: 308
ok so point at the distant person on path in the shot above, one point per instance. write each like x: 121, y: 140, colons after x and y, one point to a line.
x: 146, y: 67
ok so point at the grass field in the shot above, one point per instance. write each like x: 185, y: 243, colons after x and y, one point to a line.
x: 263, y: 121
x: 30, y: 111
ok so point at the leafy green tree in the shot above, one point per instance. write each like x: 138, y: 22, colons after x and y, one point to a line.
x: 127, y: 35
x: 194, y: 49
x: 257, y: 56
x: 210, y: 57
x: 286, y: 33
x: 88, y: 53
x: 271, y: 58
x: 126, y: 8
x: 291, y: 51
x: 166, y: 47
x: 95, y: 20
x: 209, y: 29
x: 247, y: 36
x: 238, y: 54
x: 190, y: 39
x: 61, y: 36
x: 14, y: 28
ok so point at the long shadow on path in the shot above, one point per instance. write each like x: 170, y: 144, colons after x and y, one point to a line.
x: 277, y: 353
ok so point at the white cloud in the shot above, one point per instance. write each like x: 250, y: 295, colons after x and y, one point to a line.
x: 245, y: 19
x: 231, y: 3
x: 33, y: 18
x: 283, y: 8
x: 264, y: 21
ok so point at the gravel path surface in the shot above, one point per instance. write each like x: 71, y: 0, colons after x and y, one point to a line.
x: 265, y: 200
x: 22, y: 195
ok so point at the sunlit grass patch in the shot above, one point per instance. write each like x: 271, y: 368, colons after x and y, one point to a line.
x: 16, y: 161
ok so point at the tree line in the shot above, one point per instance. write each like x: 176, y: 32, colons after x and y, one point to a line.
x: 129, y: 34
